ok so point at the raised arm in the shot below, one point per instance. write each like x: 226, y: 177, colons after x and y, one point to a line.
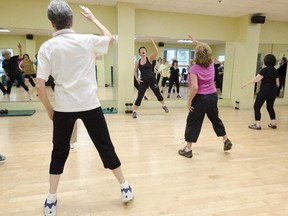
x: 89, y: 16
x: 153, y: 55
x: 20, y: 51
x: 193, y: 39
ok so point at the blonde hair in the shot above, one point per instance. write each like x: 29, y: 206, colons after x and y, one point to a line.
x: 203, y: 55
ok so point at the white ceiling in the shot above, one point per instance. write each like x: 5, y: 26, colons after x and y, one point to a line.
x: 272, y: 9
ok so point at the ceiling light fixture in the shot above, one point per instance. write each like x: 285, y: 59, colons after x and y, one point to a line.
x: 4, y: 30
x: 184, y: 41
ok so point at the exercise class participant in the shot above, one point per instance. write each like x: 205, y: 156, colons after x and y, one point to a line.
x: 147, y: 78
x: 75, y: 94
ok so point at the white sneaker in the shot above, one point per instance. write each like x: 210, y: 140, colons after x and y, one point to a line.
x: 50, y: 208
x: 30, y: 96
x: 127, y: 194
x: 72, y: 146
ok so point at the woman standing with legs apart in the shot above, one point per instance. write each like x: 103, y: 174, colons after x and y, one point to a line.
x: 268, y: 91
x: 202, y: 99
x: 70, y: 59
x: 147, y: 78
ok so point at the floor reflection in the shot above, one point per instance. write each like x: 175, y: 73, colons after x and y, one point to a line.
x: 19, y: 94
x: 183, y: 91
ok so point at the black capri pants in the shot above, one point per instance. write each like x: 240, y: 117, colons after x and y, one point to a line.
x: 19, y: 78
x: 172, y: 80
x: 267, y: 94
x: 203, y: 104
x: 96, y: 126
x: 148, y: 82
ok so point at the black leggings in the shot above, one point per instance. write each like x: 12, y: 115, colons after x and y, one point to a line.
x: 164, y: 79
x: 96, y: 126
x: 203, y: 104
x: 20, y: 80
x: 172, y: 80
x: 30, y: 77
x: 2, y: 88
x: 268, y: 95
x: 143, y: 87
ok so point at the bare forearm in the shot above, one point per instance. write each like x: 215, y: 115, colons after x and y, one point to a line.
x: 42, y: 94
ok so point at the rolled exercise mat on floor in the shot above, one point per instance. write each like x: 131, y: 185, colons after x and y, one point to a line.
x: 16, y: 112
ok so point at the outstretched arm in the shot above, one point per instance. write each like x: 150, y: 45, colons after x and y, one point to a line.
x: 254, y: 80
x: 89, y: 16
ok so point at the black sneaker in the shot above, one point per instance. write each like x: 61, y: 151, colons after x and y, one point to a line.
x: 184, y: 153
x: 272, y: 126
x: 227, y: 145
x: 254, y: 127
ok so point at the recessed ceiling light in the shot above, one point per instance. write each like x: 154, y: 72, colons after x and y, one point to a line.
x: 4, y: 30
x: 184, y: 41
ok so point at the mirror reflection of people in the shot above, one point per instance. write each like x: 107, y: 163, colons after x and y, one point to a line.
x: 12, y: 71
x: 269, y: 78
x: 164, y: 71
x: 147, y: 78
x: 3, y: 88
x: 202, y: 100
x: 174, y: 78
x: 75, y: 94
x: 282, y: 70
x: 157, y: 70
x: 218, y: 79
x: 27, y: 67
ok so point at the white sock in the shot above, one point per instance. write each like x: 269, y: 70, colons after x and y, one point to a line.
x: 125, y: 184
x: 187, y: 149
x: 51, y: 197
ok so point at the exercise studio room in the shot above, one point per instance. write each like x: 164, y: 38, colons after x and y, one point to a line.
x: 143, y: 108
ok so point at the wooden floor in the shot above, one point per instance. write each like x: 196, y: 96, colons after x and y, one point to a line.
x: 250, y: 180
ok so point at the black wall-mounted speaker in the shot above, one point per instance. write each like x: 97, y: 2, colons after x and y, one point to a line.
x: 258, y: 19
x: 29, y: 37
x: 161, y: 44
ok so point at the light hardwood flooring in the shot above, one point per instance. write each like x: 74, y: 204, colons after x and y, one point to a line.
x: 250, y: 180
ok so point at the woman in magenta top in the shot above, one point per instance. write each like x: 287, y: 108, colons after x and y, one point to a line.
x: 202, y: 100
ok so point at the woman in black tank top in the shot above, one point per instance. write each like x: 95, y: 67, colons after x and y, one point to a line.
x: 147, y: 78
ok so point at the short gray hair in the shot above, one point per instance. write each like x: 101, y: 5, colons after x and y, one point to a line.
x: 60, y: 14
x: 4, y: 52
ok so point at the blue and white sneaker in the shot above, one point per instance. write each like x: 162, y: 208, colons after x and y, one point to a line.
x: 127, y: 194
x: 50, y: 208
x: 2, y: 158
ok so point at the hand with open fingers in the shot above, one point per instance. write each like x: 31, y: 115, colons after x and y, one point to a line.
x: 87, y: 13
x: 192, y: 39
x: 190, y: 107
x: 139, y: 81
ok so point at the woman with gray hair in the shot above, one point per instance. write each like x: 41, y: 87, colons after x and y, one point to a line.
x: 12, y: 71
x: 70, y: 59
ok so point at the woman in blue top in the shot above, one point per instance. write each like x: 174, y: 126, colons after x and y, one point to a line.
x: 268, y: 91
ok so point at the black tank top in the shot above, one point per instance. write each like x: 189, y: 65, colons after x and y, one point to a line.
x: 146, y: 69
